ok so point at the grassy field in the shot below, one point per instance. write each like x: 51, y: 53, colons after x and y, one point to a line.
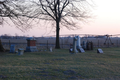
x: 61, y: 65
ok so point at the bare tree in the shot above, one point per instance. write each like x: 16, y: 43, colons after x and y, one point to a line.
x: 6, y: 10
x: 66, y: 13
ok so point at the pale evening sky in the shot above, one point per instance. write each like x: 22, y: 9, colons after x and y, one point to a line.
x: 106, y: 22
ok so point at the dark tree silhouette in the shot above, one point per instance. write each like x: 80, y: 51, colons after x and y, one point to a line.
x: 15, y: 10
x: 1, y: 47
x: 6, y: 10
x: 64, y: 12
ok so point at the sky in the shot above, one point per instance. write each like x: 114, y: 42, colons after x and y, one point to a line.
x: 106, y: 21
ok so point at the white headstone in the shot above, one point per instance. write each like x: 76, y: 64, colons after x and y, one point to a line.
x: 74, y: 45
x: 78, y: 45
x: 84, y: 45
x: 12, y: 48
x: 78, y: 42
x: 20, y: 51
x: 50, y: 49
x: 100, y: 51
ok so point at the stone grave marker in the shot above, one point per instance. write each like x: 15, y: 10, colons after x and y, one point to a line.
x: 50, y: 49
x: 12, y: 48
x: 100, y: 51
x: 84, y: 45
x: 76, y: 46
x: 31, y: 45
x: 20, y: 51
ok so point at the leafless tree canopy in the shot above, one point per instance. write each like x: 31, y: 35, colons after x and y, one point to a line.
x: 15, y: 10
x: 68, y: 12
x: 7, y: 9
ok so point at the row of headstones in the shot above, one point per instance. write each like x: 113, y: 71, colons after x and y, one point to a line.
x: 89, y: 46
x: 20, y: 51
x: 31, y: 47
x: 85, y: 46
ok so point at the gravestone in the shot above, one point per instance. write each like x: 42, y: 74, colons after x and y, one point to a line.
x: 79, y: 47
x: 20, y: 51
x: 31, y: 45
x: 89, y: 45
x: 76, y: 45
x: 70, y: 50
x: 84, y: 45
x: 12, y: 48
x: 100, y: 51
x: 50, y: 49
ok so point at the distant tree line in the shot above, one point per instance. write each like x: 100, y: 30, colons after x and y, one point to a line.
x: 7, y: 36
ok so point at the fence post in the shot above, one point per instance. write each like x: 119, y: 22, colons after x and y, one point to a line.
x: 117, y: 43
x: 62, y: 42
x: 98, y: 43
x: 47, y: 44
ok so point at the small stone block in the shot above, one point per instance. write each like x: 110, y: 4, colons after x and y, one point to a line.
x: 50, y: 49
x: 20, y: 51
x: 12, y: 48
x: 100, y: 51
x: 70, y: 50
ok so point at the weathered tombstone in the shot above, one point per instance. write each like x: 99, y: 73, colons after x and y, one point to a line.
x: 84, y: 45
x: 50, y: 49
x: 12, y: 48
x: 100, y: 51
x: 70, y: 50
x: 20, y: 51
x: 78, y: 44
x: 31, y: 45
x: 74, y: 45
x: 89, y: 45
x: 79, y: 47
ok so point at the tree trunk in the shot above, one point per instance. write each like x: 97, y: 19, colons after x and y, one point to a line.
x: 57, y: 45
x: 1, y: 47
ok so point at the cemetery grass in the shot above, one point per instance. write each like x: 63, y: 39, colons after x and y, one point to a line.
x: 61, y: 65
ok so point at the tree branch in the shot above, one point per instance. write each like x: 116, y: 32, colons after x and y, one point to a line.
x: 43, y: 7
